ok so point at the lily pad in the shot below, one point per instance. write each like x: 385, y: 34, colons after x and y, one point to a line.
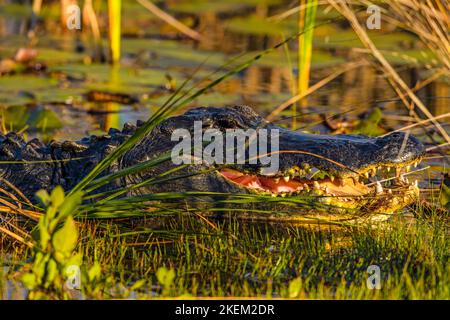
x: 256, y: 25
x: 18, y: 117
x: 11, y: 86
x: 15, y: 117
x: 201, y: 6
x: 371, y: 125
x: 45, y: 119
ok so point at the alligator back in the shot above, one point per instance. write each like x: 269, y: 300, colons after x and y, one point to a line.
x: 34, y: 165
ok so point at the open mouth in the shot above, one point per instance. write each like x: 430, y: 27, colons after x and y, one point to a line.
x: 384, y: 179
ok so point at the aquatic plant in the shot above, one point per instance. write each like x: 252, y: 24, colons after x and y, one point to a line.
x: 54, y: 241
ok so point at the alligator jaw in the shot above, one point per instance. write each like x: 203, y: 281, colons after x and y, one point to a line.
x: 364, y: 188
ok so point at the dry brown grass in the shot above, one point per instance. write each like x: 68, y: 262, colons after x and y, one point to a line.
x: 437, y: 24
x: 428, y: 19
x: 16, y: 214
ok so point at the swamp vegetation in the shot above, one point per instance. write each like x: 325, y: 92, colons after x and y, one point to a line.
x: 310, y: 65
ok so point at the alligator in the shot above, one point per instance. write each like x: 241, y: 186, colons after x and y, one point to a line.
x: 340, y: 171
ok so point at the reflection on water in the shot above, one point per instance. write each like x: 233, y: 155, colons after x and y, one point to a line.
x: 262, y: 87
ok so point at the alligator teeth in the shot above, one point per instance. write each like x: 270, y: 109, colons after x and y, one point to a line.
x: 378, y: 187
x: 390, y: 191
x: 403, y: 179
x: 332, y: 178
x: 416, y: 184
x: 388, y: 169
x: 286, y: 178
x: 373, y: 172
x: 327, y: 190
x: 416, y: 164
x: 276, y: 180
x: 366, y: 174
x: 316, y: 185
x: 408, y: 168
x: 267, y: 172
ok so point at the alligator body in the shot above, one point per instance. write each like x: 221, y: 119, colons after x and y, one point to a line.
x: 340, y: 170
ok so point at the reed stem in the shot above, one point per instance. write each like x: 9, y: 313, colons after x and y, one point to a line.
x: 306, y: 19
x: 114, y: 14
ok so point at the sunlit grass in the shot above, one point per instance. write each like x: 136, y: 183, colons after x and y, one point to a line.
x: 223, y: 258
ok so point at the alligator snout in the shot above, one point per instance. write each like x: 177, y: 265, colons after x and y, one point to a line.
x: 347, y: 155
x: 400, y: 147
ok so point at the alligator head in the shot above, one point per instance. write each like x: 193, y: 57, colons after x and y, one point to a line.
x: 344, y: 171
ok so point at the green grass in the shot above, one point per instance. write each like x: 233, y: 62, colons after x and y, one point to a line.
x: 261, y: 260
x: 231, y: 258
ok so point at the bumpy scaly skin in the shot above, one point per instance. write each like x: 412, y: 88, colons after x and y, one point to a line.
x: 56, y: 163
x: 355, y: 153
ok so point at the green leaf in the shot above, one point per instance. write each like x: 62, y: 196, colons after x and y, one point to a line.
x: 52, y: 272
x: 370, y: 126
x: 65, y: 239
x: 137, y: 284
x: 43, y: 197
x: 39, y: 265
x: 42, y: 236
x: 45, y: 119
x: 29, y: 280
x: 57, y: 196
x: 165, y: 276
x: 74, y: 260
x: 16, y: 117
x: 295, y: 287
x: 70, y: 204
x: 94, y: 272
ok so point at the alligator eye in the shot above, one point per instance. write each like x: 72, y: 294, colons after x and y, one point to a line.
x: 227, y: 123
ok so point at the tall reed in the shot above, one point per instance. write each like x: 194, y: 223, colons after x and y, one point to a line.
x: 306, y: 20
x: 114, y: 15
